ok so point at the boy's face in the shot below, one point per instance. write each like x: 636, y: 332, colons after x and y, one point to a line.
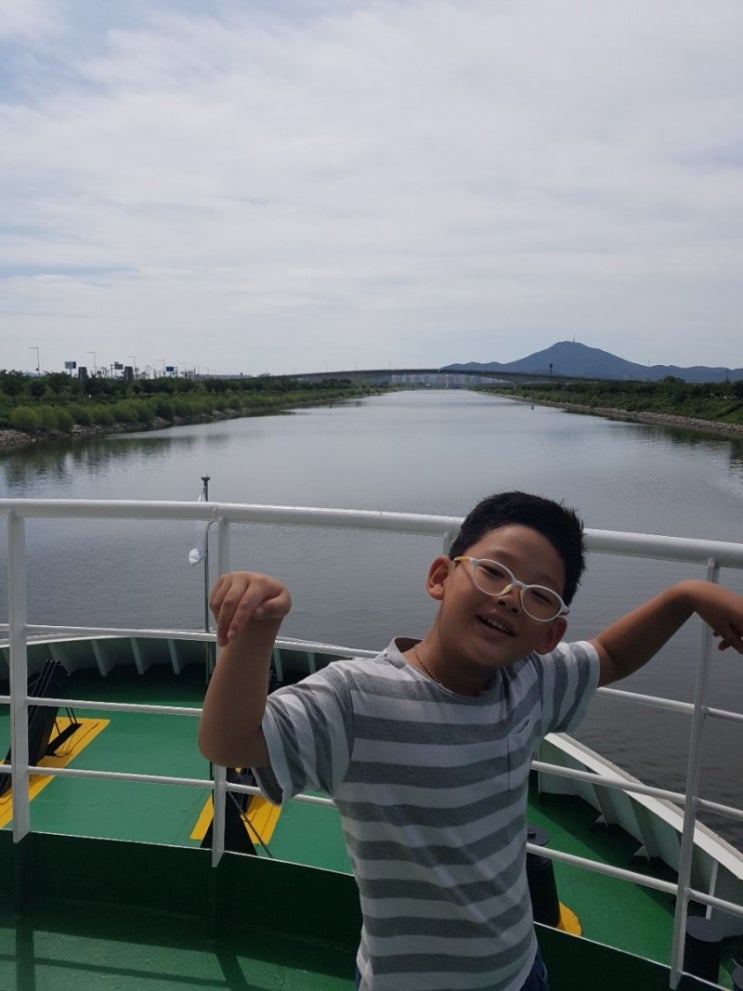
x: 483, y: 631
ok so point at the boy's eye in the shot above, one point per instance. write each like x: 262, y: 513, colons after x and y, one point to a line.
x: 543, y: 598
x: 493, y: 571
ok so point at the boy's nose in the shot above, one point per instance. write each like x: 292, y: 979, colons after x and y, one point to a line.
x: 515, y: 595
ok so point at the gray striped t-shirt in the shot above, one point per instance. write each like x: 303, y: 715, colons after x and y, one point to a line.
x: 431, y: 787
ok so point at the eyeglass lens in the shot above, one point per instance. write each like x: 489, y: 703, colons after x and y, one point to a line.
x: 538, y: 602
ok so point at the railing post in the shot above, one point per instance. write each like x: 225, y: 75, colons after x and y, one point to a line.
x: 220, y: 798
x: 18, y: 669
x: 693, y: 773
x: 220, y: 795
x: 447, y: 540
x: 223, y: 546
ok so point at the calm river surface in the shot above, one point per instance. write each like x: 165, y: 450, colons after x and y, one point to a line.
x: 432, y: 452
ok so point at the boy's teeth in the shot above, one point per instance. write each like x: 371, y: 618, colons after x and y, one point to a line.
x: 496, y: 626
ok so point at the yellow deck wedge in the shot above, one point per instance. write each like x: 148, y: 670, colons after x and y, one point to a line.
x: 86, y: 732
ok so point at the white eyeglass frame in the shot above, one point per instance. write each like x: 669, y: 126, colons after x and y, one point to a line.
x: 513, y: 583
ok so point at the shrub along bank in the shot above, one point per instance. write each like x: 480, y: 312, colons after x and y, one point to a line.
x: 45, y: 406
x: 716, y: 405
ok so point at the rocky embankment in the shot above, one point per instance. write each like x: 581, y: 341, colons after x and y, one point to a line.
x: 715, y: 427
x: 712, y: 427
x: 11, y: 440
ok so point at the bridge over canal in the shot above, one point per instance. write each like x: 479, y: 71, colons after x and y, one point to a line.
x: 435, y: 378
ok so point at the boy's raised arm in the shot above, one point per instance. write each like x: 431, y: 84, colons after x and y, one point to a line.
x: 631, y: 641
x: 248, y: 608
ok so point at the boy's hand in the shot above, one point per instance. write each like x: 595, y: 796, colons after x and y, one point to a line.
x: 723, y: 611
x: 240, y: 597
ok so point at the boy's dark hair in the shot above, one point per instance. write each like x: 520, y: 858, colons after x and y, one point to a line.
x: 560, y: 525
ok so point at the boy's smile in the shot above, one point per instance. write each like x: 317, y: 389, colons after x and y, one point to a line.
x: 497, y: 624
x: 475, y: 632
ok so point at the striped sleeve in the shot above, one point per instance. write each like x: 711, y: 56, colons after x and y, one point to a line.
x: 570, y: 676
x: 308, y: 729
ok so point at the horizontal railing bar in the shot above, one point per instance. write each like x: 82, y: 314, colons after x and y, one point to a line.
x: 155, y: 779
x: 654, y: 701
x: 413, y: 523
x: 137, y: 707
x: 692, y: 549
x: 620, y: 784
x: 571, y: 773
x: 556, y: 769
x: 726, y: 553
x: 724, y: 714
x: 252, y: 790
x: 94, y: 632
x: 301, y: 798
x: 41, y: 633
x: 633, y: 787
x: 720, y: 809
x: 715, y: 902
x: 672, y: 705
x: 73, y: 772
x: 292, y: 643
x: 620, y: 873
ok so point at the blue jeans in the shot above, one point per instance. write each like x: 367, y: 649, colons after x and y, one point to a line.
x: 536, y: 981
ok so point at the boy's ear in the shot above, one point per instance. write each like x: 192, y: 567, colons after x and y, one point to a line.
x: 551, y: 634
x: 437, y: 576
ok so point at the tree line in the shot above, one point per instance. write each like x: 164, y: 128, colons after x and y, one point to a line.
x: 57, y: 403
x: 720, y: 402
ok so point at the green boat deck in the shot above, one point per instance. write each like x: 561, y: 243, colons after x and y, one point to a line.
x: 116, y: 916
x: 140, y: 907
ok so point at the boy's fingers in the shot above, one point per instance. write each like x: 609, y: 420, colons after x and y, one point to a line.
x: 240, y: 597
x: 730, y: 638
x: 224, y: 602
x: 733, y: 636
x: 237, y: 608
x: 259, y: 603
x: 275, y: 606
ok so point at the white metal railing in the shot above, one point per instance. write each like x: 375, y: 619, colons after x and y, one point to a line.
x: 713, y: 554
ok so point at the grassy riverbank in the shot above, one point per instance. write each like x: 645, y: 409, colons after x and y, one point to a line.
x: 36, y: 409
x: 714, y: 408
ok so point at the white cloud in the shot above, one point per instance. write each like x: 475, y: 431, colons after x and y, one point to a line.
x: 27, y: 19
x: 299, y: 186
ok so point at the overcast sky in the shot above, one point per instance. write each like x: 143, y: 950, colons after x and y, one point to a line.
x: 258, y: 187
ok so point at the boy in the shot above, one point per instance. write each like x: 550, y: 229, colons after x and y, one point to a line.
x: 426, y: 748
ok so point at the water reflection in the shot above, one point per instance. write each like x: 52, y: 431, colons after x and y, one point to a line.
x: 736, y: 458
x: 40, y: 468
x: 691, y: 441
x: 23, y: 470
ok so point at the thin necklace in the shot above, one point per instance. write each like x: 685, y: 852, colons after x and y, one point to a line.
x: 430, y: 673
x: 422, y: 663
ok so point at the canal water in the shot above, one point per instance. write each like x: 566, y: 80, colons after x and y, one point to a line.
x: 424, y: 451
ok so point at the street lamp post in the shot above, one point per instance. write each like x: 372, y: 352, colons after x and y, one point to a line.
x: 38, y: 363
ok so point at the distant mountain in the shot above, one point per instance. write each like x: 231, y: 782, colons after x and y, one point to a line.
x: 570, y: 358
